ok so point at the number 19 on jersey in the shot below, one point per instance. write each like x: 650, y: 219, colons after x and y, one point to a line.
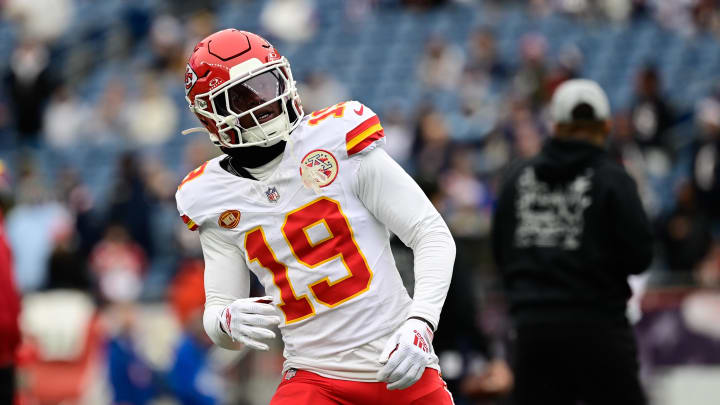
x: 340, y: 245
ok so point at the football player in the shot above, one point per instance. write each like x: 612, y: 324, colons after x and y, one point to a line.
x: 307, y: 203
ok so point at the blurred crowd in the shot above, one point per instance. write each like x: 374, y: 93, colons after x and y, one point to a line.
x: 120, y: 242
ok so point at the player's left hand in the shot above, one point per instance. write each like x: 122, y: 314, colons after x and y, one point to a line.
x: 406, y: 355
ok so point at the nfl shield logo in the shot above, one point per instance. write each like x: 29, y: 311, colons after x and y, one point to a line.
x: 272, y: 194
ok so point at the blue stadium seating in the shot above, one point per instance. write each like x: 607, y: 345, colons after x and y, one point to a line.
x: 376, y: 58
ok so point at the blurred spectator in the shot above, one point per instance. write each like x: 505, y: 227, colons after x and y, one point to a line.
x: 9, y: 302
x: 29, y: 85
x: 441, y: 64
x: 529, y: 80
x: 31, y: 226
x: 191, y: 376
x: 397, y: 133
x: 77, y: 197
x: 293, y: 21
x: 680, y: 329
x: 527, y: 139
x: 186, y: 293
x: 432, y: 147
x: 109, y: 118
x: 541, y: 8
x: 708, y: 272
x: 471, y: 368
x: 482, y: 56
x: 623, y: 146
x: 705, y: 170
x: 468, y: 201
x: 359, y: 10
x: 167, y: 41
x: 198, y: 26
x: 132, y: 379
x: 685, y: 233
x: 130, y: 202
x: 706, y: 16
x: 568, y: 66
x: 66, y: 119
x: 161, y: 185
x: 320, y: 90
x: 625, y: 150
x: 67, y: 266
x: 675, y: 15
x: 651, y: 114
x: 118, y: 264
x: 41, y: 20
x: 617, y: 10
x: 495, y: 154
x: 153, y: 117
x: 137, y: 20
x: 483, y: 68
x: 523, y: 130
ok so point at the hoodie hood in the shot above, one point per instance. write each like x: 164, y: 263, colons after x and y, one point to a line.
x: 562, y: 160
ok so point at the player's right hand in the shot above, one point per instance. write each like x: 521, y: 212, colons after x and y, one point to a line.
x: 247, y: 320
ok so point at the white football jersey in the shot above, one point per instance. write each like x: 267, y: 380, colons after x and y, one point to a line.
x: 320, y: 253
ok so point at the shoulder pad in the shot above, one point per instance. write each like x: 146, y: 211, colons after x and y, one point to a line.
x: 353, y: 127
x: 181, y: 196
x: 364, y: 129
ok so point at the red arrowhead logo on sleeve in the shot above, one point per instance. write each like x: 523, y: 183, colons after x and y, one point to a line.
x: 359, y: 111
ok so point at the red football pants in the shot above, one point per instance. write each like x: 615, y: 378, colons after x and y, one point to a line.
x: 306, y: 388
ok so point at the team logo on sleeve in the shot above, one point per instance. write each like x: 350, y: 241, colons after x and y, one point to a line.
x: 190, y: 79
x: 229, y: 219
x: 272, y: 194
x: 321, y: 166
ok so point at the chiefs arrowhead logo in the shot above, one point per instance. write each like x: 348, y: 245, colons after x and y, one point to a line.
x: 321, y: 161
x: 359, y: 111
x: 190, y: 79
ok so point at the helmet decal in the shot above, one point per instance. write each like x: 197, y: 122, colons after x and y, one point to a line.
x: 216, y: 81
x: 190, y: 79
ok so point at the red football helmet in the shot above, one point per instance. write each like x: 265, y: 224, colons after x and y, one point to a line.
x: 242, y: 90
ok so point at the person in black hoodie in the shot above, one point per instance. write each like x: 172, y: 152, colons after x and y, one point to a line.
x: 568, y: 230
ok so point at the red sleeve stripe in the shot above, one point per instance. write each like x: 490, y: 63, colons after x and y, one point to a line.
x: 362, y: 132
x: 365, y: 142
x: 189, y: 222
x: 358, y: 130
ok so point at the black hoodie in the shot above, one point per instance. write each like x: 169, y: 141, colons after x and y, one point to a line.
x: 568, y: 229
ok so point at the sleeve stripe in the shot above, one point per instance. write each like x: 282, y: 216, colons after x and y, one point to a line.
x: 362, y: 136
x: 374, y: 120
x: 189, y: 222
x: 374, y: 136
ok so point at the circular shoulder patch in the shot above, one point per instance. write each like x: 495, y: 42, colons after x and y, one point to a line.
x: 229, y: 219
x: 323, y: 163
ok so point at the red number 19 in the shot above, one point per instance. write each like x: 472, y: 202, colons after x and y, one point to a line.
x: 340, y: 245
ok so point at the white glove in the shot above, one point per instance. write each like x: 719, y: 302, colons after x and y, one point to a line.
x: 247, y: 320
x: 406, y: 355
